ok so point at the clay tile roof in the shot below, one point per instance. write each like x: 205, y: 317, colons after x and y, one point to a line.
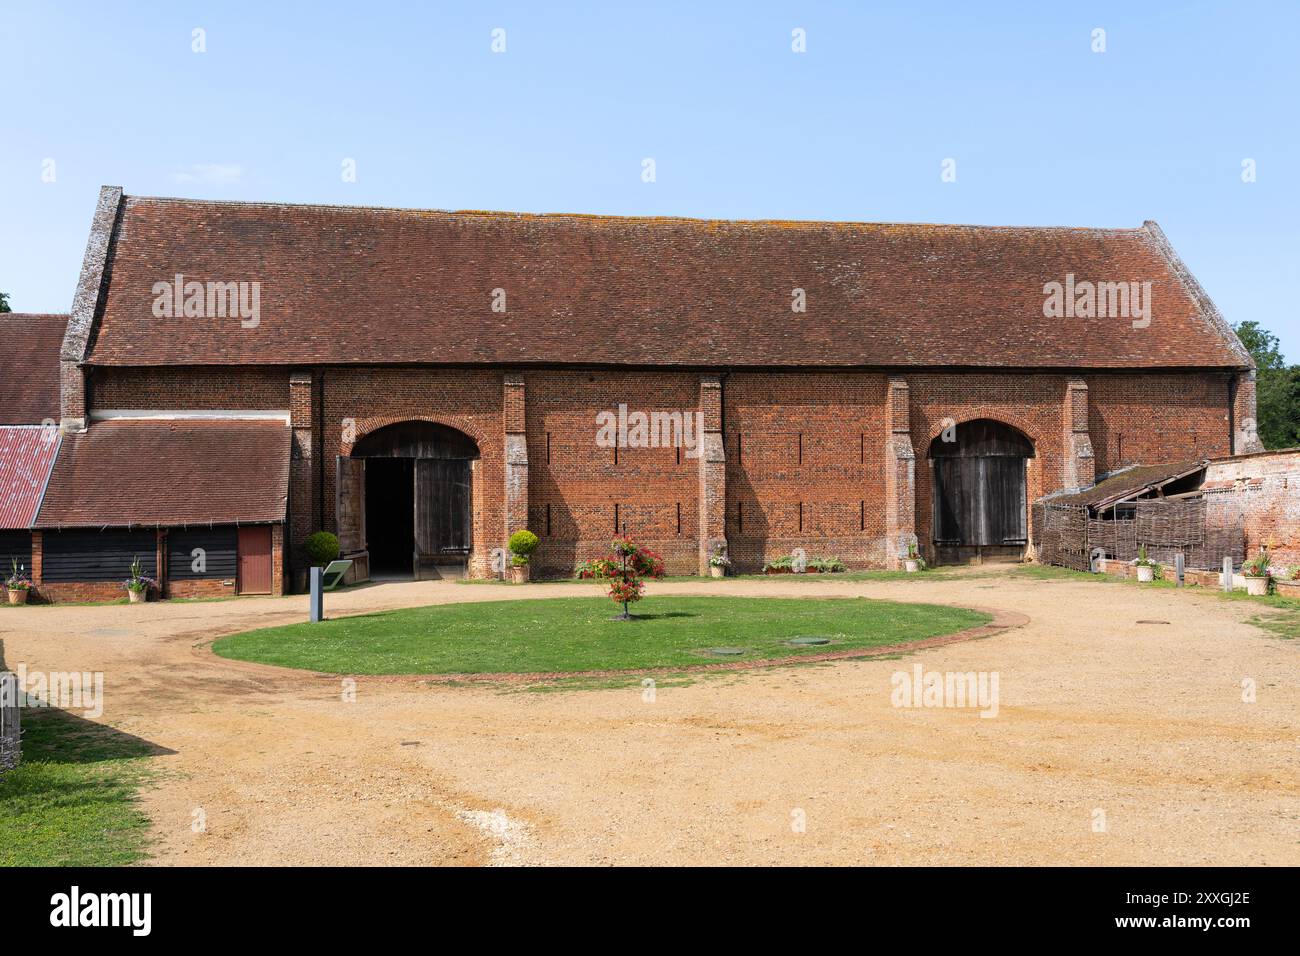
x: 363, y: 285
x: 27, y: 454
x: 169, y: 473
x: 29, y: 367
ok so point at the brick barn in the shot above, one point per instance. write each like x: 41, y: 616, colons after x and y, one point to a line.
x: 423, y: 383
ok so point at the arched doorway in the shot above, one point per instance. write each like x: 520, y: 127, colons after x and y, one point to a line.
x: 416, y: 495
x: 980, y: 498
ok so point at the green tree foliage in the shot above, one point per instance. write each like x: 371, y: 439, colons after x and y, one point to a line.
x: 1277, y: 392
x: 4, y: 302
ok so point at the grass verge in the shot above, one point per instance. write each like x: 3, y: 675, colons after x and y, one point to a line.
x: 72, y: 800
x: 577, y: 634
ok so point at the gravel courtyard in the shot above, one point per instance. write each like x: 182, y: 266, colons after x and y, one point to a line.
x: 1139, y: 729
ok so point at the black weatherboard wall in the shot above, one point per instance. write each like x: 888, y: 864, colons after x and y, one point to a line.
x: 97, y: 555
x: 219, y: 553
x: 15, y: 546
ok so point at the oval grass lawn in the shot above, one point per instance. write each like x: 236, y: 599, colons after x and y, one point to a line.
x: 576, y: 634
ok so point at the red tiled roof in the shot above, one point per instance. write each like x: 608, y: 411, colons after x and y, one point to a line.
x: 27, y: 454
x: 29, y: 367
x: 362, y: 285
x: 150, y: 473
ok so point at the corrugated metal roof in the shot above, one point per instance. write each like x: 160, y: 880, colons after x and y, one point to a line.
x: 27, y: 454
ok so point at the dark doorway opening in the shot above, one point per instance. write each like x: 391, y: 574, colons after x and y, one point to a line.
x: 416, y: 481
x: 981, y: 507
x: 390, y: 514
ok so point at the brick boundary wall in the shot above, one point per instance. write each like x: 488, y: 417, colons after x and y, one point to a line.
x: 1264, y: 489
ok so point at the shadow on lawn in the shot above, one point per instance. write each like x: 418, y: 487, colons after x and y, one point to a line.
x: 664, y: 615
x: 56, y: 736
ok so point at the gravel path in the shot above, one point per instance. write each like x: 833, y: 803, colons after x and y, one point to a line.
x: 1101, y: 719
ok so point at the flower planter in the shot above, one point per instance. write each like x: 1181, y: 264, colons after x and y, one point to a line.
x: 1146, y: 573
x: 519, y: 573
x: 17, y: 595
x: 911, y: 566
x: 1256, y: 587
x: 135, y: 597
x: 717, y: 572
x: 778, y: 570
x: 1287, y: 589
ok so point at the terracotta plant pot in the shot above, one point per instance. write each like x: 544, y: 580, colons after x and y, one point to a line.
x: 519, y: 573
x: 717, y: 572
x: 17, y: 595
x: 1256, y: 587
x: 135, y: 597
x: 1146, y: 573
x: 911, y: 566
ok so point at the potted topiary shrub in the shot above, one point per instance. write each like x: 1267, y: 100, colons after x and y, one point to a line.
x: 138, y: 584
x: 719, y: 562
x: 319, y: 549
x: 18, y: 583
x: 1146, y: 568
x: 1256, y: 572
x: 522, y: 544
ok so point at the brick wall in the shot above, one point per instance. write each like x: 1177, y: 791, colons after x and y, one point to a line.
x: 198, y: 388
x: 1146, y: 419
x: 805, y: 466
x: 812, y: 459
x: 577, y: 485
x: 1264, y: 490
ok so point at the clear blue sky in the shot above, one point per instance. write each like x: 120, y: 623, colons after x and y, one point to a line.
x: 1044, y: 130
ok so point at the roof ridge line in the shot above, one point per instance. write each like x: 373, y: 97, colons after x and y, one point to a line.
x: 616, y: 217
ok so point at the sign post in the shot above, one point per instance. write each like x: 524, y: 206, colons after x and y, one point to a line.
x: 317, y: 594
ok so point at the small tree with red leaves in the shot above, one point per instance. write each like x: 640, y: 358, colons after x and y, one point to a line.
x: 626, y: 568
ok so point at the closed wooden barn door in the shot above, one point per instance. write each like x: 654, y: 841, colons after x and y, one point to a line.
x: 980, y: 501
x: 980, y: 495
x: 254, y: 561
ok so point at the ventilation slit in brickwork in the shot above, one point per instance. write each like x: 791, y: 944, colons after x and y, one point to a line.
x: 548, y: 448
x: 679, y: 517
x: 740, y: 517
x: 801, y: 516
x: 801, y: 448
x: 862, y: 448
x: 739, y: 449
x: 548, y: 519
x: 862, y: 516
x: 616, y: 518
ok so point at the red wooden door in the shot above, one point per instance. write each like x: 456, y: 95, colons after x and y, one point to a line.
x: 254, y: 569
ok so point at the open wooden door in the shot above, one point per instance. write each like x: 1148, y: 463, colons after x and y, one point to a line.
x: 350, y: 504
x: 442, y: 515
